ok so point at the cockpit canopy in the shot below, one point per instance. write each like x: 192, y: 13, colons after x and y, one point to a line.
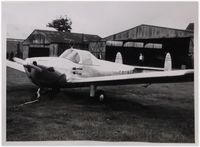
x: 78, y: 56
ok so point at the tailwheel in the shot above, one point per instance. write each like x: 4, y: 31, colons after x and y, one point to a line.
x: 100, y: 95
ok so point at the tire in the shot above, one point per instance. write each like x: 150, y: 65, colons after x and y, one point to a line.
x: 100, y: 95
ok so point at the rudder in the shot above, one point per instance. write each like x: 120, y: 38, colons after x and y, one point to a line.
x: 118, y: 58
x: 168, y: 62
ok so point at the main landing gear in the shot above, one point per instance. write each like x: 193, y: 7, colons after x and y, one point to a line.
x: 98, y: 94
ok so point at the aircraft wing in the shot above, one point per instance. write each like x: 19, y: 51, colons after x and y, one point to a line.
x: 15, y: 65
x: 139, y: 78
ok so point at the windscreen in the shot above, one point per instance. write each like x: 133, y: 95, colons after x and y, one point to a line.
x: 78, y: 56
x: 71, y: 55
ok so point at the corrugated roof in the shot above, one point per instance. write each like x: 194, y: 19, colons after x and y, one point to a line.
x: 14, y: 39
x: 149, y: 32
x: 65, y: 37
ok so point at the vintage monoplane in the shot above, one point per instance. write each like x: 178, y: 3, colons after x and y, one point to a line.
x: 76, y: 68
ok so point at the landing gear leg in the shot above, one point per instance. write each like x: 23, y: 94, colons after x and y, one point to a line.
x: 92, y: 90
x: 98, y: 94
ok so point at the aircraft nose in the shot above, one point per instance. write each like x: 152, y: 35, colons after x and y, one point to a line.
x: 46, y: 77
x: 52, y: 78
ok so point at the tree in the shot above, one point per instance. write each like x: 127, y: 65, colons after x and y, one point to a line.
x: 62, y: 24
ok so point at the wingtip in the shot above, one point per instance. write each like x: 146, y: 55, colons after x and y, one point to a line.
x: 20, y: 61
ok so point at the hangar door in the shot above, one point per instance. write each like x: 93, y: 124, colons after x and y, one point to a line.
x: 130, y: 55
x: 38, y: 52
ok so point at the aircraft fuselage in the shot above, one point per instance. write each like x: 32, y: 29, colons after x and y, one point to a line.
x: 56, y: 71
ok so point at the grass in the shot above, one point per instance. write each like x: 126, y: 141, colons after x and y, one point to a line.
x: 159, y: 113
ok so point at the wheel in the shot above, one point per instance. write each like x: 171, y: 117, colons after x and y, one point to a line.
x: 100, y: 95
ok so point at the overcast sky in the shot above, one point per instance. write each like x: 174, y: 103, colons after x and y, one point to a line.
x: 100, y: 18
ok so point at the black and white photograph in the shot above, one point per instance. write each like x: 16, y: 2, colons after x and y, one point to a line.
x: 99, y: 72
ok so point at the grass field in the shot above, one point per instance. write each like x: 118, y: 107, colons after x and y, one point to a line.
x: 159, y: 113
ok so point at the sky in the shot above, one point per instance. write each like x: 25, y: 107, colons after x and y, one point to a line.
x: 99, y: 18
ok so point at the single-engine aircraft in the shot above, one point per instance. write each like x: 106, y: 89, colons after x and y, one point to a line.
x: 76, y: 68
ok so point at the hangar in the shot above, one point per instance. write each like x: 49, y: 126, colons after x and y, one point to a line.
x: 150, y: 42
x: 53, y: 43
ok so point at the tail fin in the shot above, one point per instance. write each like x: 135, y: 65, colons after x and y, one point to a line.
x: 168, y: 62
x: 118, y: 58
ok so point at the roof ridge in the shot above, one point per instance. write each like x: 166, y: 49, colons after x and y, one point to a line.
x: 65, y: 32
x: 149, y: 26
x: 57, y: 36
x: 166, y: 28
x: 14, y: 39
x: 122, y: 31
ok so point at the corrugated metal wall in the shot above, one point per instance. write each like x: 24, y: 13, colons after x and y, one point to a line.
x: 98, y: 49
